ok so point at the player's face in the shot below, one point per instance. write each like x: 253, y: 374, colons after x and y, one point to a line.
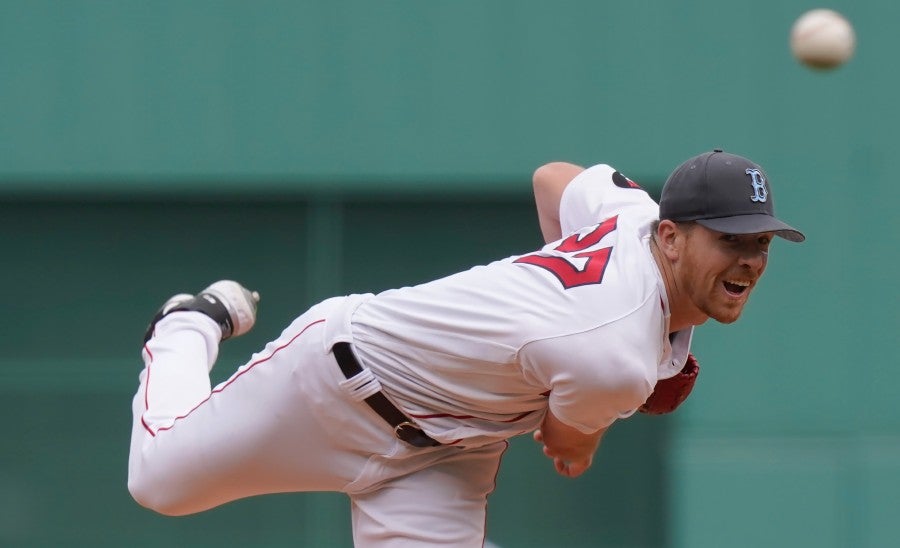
x: 719, y: 271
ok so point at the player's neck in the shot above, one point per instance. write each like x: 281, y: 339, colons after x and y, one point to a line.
x: 682, y: 312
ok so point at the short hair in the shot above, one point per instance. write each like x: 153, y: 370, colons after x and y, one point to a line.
x: 684, y: 225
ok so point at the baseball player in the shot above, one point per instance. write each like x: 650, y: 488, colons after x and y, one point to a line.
x: 404, y: 400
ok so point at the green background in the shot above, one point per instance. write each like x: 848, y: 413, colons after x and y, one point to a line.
x: 317, y: 148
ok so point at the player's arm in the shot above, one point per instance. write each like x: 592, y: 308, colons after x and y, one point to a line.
x: 593, y: 377
x: 549, y: 181
x: 571, y: 450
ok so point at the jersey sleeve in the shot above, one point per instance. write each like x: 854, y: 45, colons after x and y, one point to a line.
x: 594, y: 377
x: 598, y: 193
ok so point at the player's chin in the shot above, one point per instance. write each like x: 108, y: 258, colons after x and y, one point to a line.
x: 726, y: 311
x: 728, y: 306
x: 727, y: 315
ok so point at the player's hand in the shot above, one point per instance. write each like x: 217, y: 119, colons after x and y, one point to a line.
x: 570, y: 468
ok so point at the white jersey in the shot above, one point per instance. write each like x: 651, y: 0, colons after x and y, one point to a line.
x: 580, y: 326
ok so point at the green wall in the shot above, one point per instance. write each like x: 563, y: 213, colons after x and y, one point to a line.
x: 318, y: 147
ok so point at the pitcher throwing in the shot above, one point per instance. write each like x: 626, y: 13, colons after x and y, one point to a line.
x: 404, y: 400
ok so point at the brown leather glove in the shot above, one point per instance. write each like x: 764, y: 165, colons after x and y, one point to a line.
x: 669, y: 393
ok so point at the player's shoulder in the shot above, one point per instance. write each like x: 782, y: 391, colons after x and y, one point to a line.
x: 601, y: 192
x: 606, y: 174
x: 603, y: 187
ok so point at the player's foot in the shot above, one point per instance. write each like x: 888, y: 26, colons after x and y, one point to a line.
x: 228, y: 303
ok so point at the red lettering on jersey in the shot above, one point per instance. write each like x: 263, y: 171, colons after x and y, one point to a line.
x: 564, y: 267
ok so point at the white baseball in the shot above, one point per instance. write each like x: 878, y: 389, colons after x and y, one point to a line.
x: 822, y: 39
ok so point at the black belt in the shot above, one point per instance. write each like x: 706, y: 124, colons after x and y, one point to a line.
x: 403, y: 427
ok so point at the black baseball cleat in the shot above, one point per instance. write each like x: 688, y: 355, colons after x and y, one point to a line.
x: 228, y: 303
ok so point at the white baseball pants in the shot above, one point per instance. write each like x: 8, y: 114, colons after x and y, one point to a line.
x: 283, y: 423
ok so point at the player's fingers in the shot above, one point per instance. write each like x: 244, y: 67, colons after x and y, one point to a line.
x: 580, y: 467
x: 560, y: 466
x: 575, y: 469
x: 570, y: 469
x: 538, y: 436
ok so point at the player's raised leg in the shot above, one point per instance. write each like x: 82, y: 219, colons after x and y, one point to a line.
x: 280, y: 423
x: 443, y: 504
x: 180, y: 348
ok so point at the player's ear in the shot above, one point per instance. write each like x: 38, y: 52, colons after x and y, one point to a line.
x: 669, y: 239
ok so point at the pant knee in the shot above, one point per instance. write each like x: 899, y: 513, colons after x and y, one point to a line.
x: 156, y: 496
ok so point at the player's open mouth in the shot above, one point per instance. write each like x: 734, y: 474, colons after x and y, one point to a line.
x: 735, y: 288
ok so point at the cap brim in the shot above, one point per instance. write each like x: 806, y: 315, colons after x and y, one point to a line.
x: 753, y: 224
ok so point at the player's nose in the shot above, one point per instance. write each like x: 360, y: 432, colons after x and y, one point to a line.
x: 754, y: 259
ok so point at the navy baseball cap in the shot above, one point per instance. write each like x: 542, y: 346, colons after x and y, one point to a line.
x: 724, y: 192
